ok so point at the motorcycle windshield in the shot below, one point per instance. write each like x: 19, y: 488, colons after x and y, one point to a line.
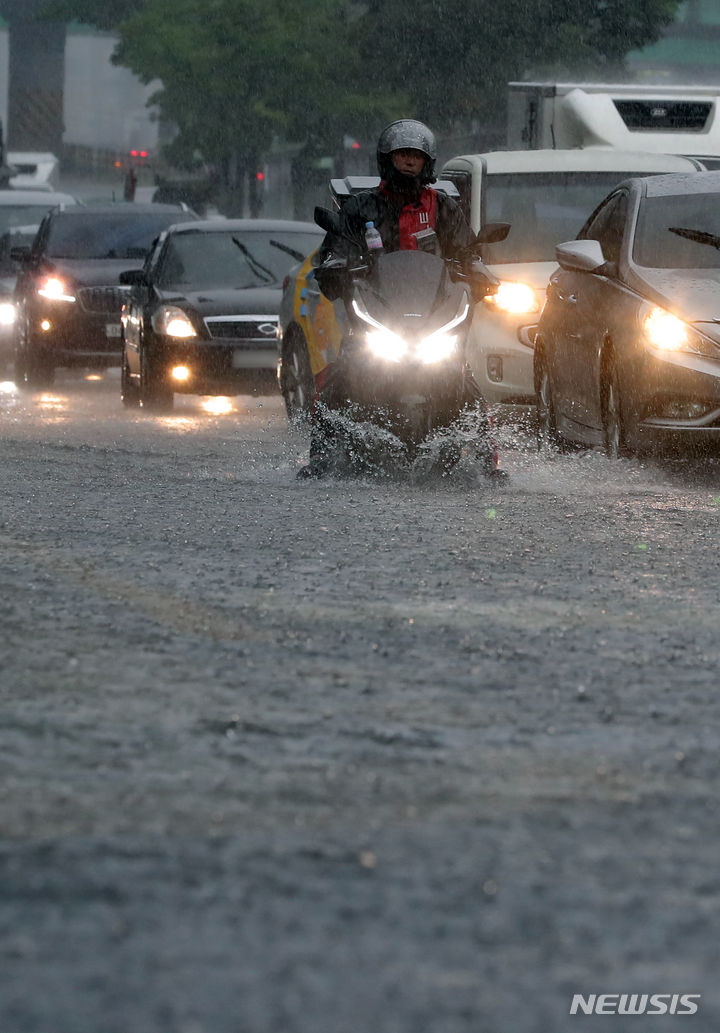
x: 405, y: 286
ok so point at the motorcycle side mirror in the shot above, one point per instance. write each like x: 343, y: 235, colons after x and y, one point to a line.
x: 331, y: 277
x: 327, y: 220
x: 493, y: 232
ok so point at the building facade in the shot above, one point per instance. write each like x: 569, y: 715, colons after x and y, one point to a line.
x: 104, y: 107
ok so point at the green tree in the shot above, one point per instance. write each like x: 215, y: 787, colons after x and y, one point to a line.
x: 237, y: 74
x: 455, y: 59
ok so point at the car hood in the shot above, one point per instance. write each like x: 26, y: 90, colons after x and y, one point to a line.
x: 534, y: 274
x: 693, y: 294
x: 93, y: 273
x: 233, y: 301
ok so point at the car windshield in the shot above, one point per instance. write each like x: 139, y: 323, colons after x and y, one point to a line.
x: 22, y: 215
x: 101, y: 235
x: 233, y: 258
x: 543, y: 209
x: 680, y: 232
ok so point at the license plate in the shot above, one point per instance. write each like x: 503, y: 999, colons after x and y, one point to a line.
x: 112, y: 329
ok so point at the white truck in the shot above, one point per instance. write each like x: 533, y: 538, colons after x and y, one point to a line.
x: 629, y: 116
x: 34, y: 170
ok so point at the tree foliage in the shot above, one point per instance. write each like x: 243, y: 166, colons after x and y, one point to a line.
x: 235, y: 74
x: 456, y: 59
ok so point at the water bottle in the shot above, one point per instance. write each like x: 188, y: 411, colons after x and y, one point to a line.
x: 373, y: 240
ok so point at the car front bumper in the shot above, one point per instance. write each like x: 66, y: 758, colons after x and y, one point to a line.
x: 216, y: 367
x: 500, y: 351
x: 679, y: 401
x: 70, y: 335
x: 7, y: 344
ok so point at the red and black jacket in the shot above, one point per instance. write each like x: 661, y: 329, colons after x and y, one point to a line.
x: 397, y: 218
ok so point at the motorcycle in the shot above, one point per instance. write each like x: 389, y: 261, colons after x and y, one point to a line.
x: 402, y: 389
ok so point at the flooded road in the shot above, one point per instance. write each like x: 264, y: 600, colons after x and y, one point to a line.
x: 347, y: 755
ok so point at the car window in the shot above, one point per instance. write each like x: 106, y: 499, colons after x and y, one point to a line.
x: 233, y: 258
x: 543, y: 209
x: 463, y: 182
x: 680, y: 232
x: 99, y: 235
x: 608, y: 226
x: 12, y: 216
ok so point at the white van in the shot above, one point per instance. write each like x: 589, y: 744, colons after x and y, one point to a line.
x: 546, y: 196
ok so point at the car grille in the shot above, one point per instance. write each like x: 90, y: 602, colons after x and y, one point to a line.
x: 243, y: 328
x: 103, y: 299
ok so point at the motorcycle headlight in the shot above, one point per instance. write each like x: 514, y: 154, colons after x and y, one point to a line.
x: 173, y: 321
x: 55, y: 289
x: 384, y: 344
x: 437, y: 347
x: 7, y: 313
x: 441, y: 344
x: 517, y: 299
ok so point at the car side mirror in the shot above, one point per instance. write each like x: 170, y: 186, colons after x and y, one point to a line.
x: 581, y: 256
x: 20, y: 252
x: 493, y: 232
x: 133, y: 278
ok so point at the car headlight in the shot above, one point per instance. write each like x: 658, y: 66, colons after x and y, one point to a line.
x: 173, y: 321
x: 669, y: 333
x: 516, y: 299
x: 7, y: 313
x: 55, y: 289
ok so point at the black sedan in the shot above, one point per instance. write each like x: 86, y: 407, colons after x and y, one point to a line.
x: 202, y: 314
x: 68, y: 295
x: 627, y: 353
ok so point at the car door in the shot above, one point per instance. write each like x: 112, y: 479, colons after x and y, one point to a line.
x: 137, y: 304
x: 27, y: 282
x: 587, y: 302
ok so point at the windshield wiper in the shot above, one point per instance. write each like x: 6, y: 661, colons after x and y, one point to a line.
x: 699, y: 236
x: 257, y: 268
x: 297, y: 255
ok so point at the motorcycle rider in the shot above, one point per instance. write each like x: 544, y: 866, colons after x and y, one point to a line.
x: 403, y: 203
x: 401, y: 206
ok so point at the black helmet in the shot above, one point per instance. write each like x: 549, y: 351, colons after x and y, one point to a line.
x: 406, y: 132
